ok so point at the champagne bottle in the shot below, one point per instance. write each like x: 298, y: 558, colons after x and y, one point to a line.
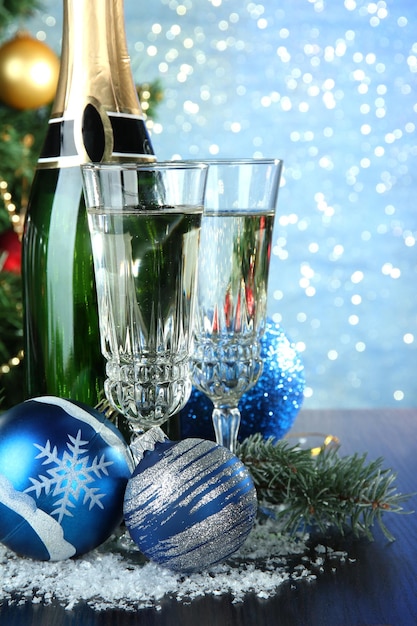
x: 96, y: 116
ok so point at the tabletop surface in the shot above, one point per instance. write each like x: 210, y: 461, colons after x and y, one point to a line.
x: 376, y: 586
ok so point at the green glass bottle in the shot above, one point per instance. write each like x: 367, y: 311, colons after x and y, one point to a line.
x: 96, y: 116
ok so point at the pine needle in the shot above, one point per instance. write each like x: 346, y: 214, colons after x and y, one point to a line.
x: 324, y: 491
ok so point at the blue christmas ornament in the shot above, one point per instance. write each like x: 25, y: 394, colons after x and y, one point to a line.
x: 63, y: 472
x: 270, y: 407
x: 189, y: 504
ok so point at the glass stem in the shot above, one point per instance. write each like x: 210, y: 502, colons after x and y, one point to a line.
x: 226, y: 421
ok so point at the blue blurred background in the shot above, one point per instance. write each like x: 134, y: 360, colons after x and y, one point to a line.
x: 329, y: 87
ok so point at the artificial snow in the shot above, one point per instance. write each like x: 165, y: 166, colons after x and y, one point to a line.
x: 116, y: 575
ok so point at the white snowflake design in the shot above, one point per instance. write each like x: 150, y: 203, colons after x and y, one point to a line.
x: 70, y: 477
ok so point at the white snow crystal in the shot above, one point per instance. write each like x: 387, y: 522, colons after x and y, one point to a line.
x: 264, y: 562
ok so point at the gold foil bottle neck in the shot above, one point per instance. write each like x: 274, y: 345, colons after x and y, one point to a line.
x: 96, y: 115
x: 94, y: 60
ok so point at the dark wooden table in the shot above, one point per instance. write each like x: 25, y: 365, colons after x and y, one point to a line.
x: 378, y: 589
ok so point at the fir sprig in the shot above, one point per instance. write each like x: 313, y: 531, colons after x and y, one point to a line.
x: 11, y: 9
x: 324, y: 491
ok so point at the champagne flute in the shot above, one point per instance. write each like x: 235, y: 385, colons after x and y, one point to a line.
x: 235, y: 246
x: 144, y: 222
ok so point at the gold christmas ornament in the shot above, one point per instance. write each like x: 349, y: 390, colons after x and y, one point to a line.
x: 28, y: 72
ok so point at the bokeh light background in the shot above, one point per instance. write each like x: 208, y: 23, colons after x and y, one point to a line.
x: 330, y: 87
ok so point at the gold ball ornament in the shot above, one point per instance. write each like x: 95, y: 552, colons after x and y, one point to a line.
x: 28, y: 73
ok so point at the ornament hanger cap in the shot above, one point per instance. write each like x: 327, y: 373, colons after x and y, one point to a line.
x: 146, y: 442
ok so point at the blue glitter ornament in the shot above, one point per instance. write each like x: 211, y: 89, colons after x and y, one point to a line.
x: 270, y: 407
x: 63, y: 472
x: 189, y: 504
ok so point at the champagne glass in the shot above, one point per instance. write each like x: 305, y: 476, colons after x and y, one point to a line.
x: 235, y: 246
x: 144, y: 222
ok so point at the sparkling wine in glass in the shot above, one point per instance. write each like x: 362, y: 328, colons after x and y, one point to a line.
x: 144, y: 222
x: 234, y: 256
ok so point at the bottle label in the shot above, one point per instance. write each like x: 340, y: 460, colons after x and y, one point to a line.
x: 97, y: 137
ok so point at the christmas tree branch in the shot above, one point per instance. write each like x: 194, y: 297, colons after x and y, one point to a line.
x: 322, y: 491
x: 11, y: 9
